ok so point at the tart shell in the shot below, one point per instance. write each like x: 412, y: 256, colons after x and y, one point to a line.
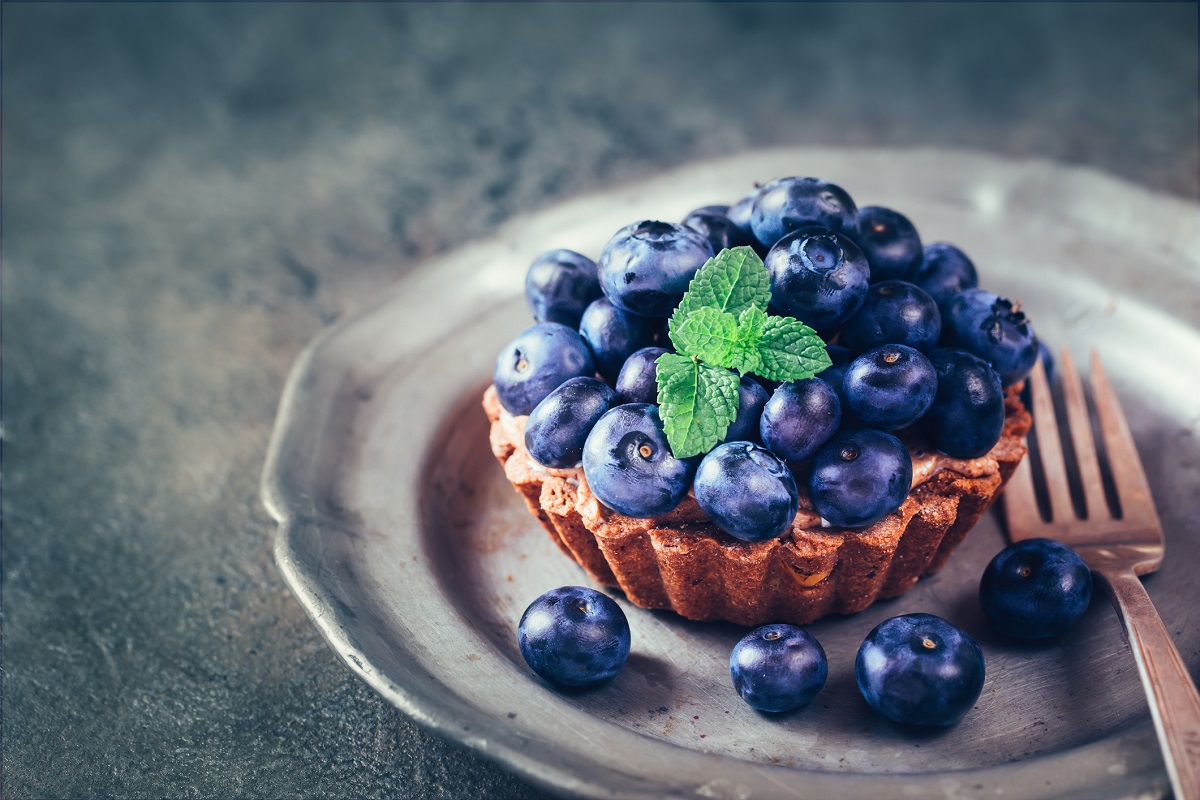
x: 683, y: 562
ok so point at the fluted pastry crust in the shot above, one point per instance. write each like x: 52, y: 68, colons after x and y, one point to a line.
x: 683, y: 562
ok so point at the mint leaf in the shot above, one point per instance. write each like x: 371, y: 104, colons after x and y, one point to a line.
x: 696, y: 403
x: 744, y: 355
x: 790, y: 350
x: 722, y: 324
x: 707, y: 334
x: 731, y: 281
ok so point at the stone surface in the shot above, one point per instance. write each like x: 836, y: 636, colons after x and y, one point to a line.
x: 191, y: 192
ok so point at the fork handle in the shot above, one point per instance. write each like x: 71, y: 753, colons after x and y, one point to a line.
x: 1174, y: 701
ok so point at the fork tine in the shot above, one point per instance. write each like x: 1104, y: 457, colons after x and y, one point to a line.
x: 1133, y: 491
x: 1049, y: 446
x: 1021, y: 514
x: 1078, y: 422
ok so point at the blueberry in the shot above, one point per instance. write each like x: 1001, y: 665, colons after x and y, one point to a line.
x: 574, y: 636
x: 890, y: 243
x: 944, y: 272
x: 537, y: 362
x: 559, y: 425
x: 646, y: 267
x: 638, y: 379
x: 859, y: 477
x: 919, y: 669
x: 559, y: 286
x: 838, y: 355
x: 967, y: 415
x: 629, y: 465
x: 614, y: 335
x: 786, y: 204
x: 766, y: 383
x: 1047, y: 358
x: 778, y: 668
x: 994, y: 328
x: 752, y: 397
x: 1035, y: 589
x: 817, y: 276
x: 891, y: 386
x: 835, y: 377
x: 836, y: 372
x: 894, y: 312
x: 714, y: 224
x: 739, y: 214
x: 747, y: 490
x: 799, y: 418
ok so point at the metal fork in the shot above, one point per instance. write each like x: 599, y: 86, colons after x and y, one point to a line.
x: 1117, y: 548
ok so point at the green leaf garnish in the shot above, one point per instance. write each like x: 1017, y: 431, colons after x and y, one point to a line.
x: 746, y: 357
x: 790, y: 350
x: 721, y: 325
x: 709, y: 335
x: 731, y: 281
x: 696, y: 403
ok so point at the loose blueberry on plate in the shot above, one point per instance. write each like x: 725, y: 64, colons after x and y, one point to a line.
x: 574, y: 636
x: 859, y: 477
x: 890, y: 242
x: 747, y: 490
x: 891, y: 386
x: 646, y: 267
x: 919, y: 669
x: 778, y: 668
x: 994, y: 328
x: 818, y: 277
x: 799, y: 418
x: 537, y: 362
x: 559, y: 425
x: 944, y: 272
x: 787, y: 204
x: 967, y: 414
x: 714, y: 224
x: 638, y: 381
x: 894, y: 312
x: 1035, y: 589
x: 559, y: 286
x: 752, y: 398
x: 630, y: 467
x: 614, y: 335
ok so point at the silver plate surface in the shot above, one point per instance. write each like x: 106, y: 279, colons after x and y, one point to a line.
x: 415, y: 558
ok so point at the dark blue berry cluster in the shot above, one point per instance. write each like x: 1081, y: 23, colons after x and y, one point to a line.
x: 921, y: 357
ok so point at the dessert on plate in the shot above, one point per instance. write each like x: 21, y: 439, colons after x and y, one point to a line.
x: 769, y: 412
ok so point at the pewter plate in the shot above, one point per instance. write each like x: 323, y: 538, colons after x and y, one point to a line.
x: 415, y: 558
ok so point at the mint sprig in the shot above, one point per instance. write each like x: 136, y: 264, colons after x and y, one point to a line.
x: 721, y: 325
x: 697, y: 403
x: 746, y: 356
x: 708, y: 334
x: 731, y: 281
x: 790, y: 350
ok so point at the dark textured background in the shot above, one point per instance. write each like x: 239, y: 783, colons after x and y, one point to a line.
x: 191, y: 192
